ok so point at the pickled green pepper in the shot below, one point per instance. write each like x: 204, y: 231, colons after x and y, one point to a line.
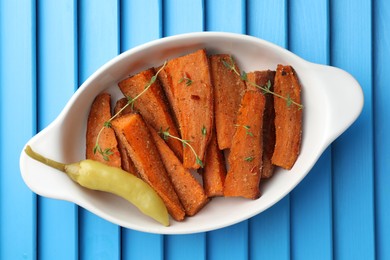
x: 98, y: 176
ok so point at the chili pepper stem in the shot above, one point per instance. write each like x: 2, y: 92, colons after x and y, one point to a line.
x: 54, y: 164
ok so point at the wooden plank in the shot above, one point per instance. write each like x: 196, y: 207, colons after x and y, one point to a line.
x: 57, y: 80
x: 192, y: 246
x: 311, y: 213
x: 140, y: 23
x: 183, y: 17
x: 230, y: 242
x: 382, y: 127
x: 311, y: 203
x: 268, y: 25
x: 18, y: 83
x: 225, y: 17
x: 269, y: 232
x: 352, y: 153
x: 98, y: 25
x: 140, y: 245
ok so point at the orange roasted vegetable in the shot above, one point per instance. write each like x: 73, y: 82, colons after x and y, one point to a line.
x: 288, y: 118
x: 187, y: 84
x: 139, y: 143
x: 245, y: 159
x: 101, y: 142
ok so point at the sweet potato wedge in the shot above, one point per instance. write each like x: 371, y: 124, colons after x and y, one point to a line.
x: 127, y: 163
x: 245, y: 159
x: 261, y: 78
x: 187, y: 84
x: 228, y: 88
x: 100, y: 113
x: 288, y: 118
x: 121, y: 103
x: 134, y: 133
x: 214, y: 171
x: 189, y: 190
x: 152, y: 105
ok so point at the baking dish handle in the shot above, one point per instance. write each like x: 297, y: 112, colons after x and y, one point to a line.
x: 345, y: 98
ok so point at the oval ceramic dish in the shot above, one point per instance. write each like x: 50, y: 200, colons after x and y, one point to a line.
x: 332, y: 98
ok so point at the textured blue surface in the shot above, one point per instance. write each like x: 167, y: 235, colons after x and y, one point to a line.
x: 18, y: 119
x: 310, y: 214
x: 352, y: 153
x: 56, y: 30
x: 98, y: 41
x: 341, y: 210
x: 381, y: 127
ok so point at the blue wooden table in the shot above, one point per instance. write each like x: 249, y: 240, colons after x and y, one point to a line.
x: 342, y: 208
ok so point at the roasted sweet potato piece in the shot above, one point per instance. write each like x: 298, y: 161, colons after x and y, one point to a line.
x: 139, y: 143
x: 245, y: 159
x: 288, y: 118
x: 120, y: 104
x: 187, y: 84
x: 261, y: 78
x: 228, y: 88
x: 152, y: 105
x: 189, y: 190
x: 100, y: 113
x: 214, y: 171
x: 127, y: 163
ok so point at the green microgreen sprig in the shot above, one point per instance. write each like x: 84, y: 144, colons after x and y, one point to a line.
x: 166, y: 135
x: 105, y: 153
x: 266, y: 89
x: 249, y: 158
x: 186, y: 79
x: 247, y: 129
x: 204, y: 131
x: 130, y: 102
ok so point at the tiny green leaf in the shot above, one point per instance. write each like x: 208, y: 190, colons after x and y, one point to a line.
x: 268, y: 84
x: 244, y: 76
x: 164, y: 134
x: 204, y: 131
x: 108, y: 151
x: 153, y: 79
x: 105, y: 154
x: 199, y: 162
x: 266, y: 89
x: 186, y: 79
x: 249, y: 159
x: 246, y: 127
x: 226, y: 64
